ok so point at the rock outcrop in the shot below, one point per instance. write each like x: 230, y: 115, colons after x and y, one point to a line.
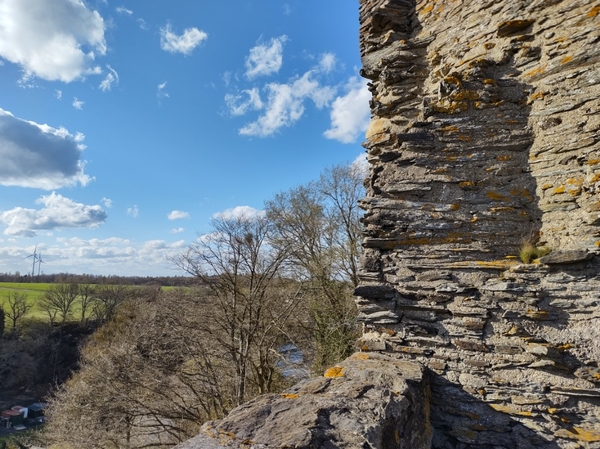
x: 368, y: 401
x: 484, y: 143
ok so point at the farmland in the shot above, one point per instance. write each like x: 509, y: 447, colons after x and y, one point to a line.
x: 34, y: 293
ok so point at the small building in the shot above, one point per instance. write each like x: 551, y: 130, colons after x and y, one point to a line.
x: 36, y: 410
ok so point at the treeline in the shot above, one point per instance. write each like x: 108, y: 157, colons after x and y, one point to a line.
x: 69, y: 278
x: 272, y: 302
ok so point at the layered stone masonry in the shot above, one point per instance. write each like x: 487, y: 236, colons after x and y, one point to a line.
x: 485, y: 137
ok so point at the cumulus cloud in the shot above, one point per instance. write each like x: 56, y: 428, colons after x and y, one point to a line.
x: 111, y: 79
x: 248, y: 99
x: 39, y: 156
x: 78, y: 104
x: 285, y: 104
x: 239, y: 213
x: 177, y: 230
x: 360, y: 165
x: 184, y: 43
x: 133, y: 211
x: 107, y: 202
x: 265, y: 59
x: 350, y: 113
x: 57, y: 40
x: 102, y: 256
x: 178, y: 215
x: 57, y: 213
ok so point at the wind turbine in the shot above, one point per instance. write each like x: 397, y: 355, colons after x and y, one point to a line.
x: 35, y: 259
x: 40, y: 262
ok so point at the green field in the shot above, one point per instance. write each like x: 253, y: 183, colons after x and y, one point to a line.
x: 33, y: 291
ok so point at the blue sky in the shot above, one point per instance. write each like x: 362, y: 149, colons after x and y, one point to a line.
x: 126, y: 125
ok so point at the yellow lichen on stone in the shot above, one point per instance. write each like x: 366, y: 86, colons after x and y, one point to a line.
x: 289, y: 395
x: 504, y: 158
x: 560, y: 189
x: 594, y: 12
x: 466, y: 184
x: 578, y: 433
x: 495, y: 196
x: 510, y: 410
x: 334, y: 372
x: 566, y: 59
x: 360, y: 356
x: 593, y: 161
x: 535, y: 72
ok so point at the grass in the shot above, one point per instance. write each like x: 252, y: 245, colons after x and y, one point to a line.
x: 529, y: 252
x: 34, y: 293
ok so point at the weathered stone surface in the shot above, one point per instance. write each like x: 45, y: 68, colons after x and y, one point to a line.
x: 369, y: 400
x: 562, y: 257
x: 491, y: 113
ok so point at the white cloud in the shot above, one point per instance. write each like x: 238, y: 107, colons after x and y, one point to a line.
x: 240, y: 104
x: 133, y: 211
x: 360, y: 165
x: 285, y: 104
x: 53, y: 40
x: 97, y: 256
x: 123, y: 10
x: 107, y: 202
x: 185, y: 43
x: 58, y: 94
x: 161, y: 92
x: 239, y: 213
x: 177, y: 215
x: 350, y: 114
x: 327, y: 62
x: 177, y: 230
x: 287, y: 9
x: 111, y: 79
x: 78, y: 104
x: 39, y: 156
x: 265, y: 59
x: 58, y: 213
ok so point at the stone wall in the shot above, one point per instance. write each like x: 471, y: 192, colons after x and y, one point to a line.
x: 484, y: 138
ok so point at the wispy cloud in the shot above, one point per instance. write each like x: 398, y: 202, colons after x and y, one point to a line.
x: 123, y: 10
x: 78, y: 104
x: 184, y: 43
x: 327, y: 62
x: 285, y: 104
x: 57, y: 213
x: 111, y: 79
x: 39, y: 156
x: 133, y: 211
x: 248, y: 99
x: 239, y: 212
x: 161, y: 92
x: 178, y: 215
x: 107, y: 202
x: 265, y: 59
x: 350, y: 113
x: 57, y: 40
x: 58, y: 94
x: 177, y: 230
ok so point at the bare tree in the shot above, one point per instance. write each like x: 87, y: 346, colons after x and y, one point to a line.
x: 249, y: 302
x: 17, y: 307
x: 87, y: 294
x: 59, y: 300
x: 319, y: 224
x: 107, y: 299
